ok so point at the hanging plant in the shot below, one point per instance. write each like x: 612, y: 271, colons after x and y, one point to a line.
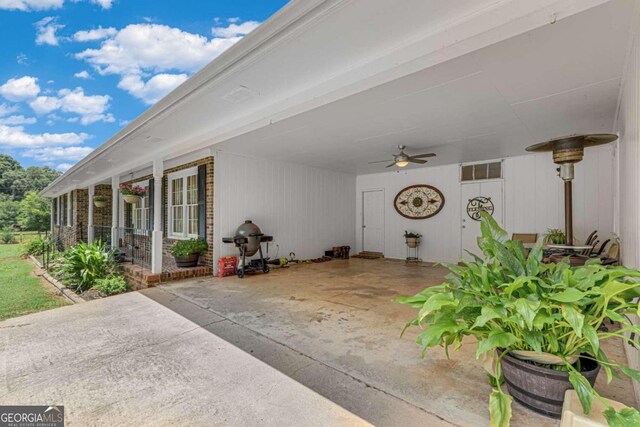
x: 100, y: 201
x: 132, y: 193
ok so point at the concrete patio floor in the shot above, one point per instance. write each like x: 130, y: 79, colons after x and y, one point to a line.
x: 334, y: 328
x: 128, y: 361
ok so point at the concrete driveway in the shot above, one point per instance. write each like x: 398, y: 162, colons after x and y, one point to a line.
x: 334, y: 328
x: 127, y: 360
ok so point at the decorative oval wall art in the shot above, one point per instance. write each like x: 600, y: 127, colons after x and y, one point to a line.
x: 419, y: 202
x: 477, y: 205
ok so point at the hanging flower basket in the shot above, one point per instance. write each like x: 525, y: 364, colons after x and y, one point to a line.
x: 131, y: 193
x: 100, y: 201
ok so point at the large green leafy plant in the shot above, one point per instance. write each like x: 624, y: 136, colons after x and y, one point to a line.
x: 83, y: 264
x: 185, y: 248
x: 510, y: 300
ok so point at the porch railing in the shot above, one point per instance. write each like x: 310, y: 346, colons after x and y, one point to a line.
x: 135, y: 243
x: 102, y: 233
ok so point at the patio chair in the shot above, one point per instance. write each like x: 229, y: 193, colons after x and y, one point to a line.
x: 591, y: 237
x: 588, y: 252
x: 613, y: 255
x: 597, y: 253
x: 525, y: 237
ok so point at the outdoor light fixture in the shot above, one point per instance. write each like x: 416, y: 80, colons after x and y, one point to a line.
x: 567, y: 151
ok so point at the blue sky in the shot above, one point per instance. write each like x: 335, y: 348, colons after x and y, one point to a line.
x: 74, y: 72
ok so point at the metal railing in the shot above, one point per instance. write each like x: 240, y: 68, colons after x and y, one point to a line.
x: 52, y: 248
x: 136, y: 244
x: 102, y: 233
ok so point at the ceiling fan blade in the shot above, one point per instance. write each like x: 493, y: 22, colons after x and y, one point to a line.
x: 419, y: 161
x: 392, y: 164
x: 379, y: 161
x: 424, y: 155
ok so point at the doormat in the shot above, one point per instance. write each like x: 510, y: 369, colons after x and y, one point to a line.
x: 368, y: 255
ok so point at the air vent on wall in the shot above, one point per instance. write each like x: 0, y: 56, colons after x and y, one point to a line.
x: 481, y: 171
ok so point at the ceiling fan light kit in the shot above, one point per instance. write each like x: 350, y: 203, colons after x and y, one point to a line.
x: 402, y: 159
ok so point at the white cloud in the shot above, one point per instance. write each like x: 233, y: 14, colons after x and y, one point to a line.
x: 154, y: 48
x: 106, y: 4
x: 15, y: 136
x: 22, y: 59
x: 234, y: 29
x: 63, y: 167
x: 84, y: 74
x: 45, y: 104
x: 20, y: 89
x: 17, y: 120
x: 26, y: 5
x: 153, y: 89
x: 90, y: 108
x: 50, y: 154
x: 7, y: 109
x: 46, y: 31
x: 95, y: 34
x: 169, y: 55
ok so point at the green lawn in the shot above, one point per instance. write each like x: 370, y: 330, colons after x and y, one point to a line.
x: 21, y: 292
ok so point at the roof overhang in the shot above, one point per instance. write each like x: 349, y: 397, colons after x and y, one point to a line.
x: 314, y: 55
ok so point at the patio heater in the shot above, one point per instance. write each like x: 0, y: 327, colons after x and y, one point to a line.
x: 567, y: 151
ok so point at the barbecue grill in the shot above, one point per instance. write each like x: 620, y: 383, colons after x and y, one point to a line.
x: 248, y: 239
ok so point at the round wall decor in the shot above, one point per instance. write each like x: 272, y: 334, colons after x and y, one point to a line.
x: 419, y: 202
x: 477, y: 205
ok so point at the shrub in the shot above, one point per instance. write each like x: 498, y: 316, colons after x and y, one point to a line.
x: 83, y: 264
x: 112, y: 285
x: 183, y: 248
x: 412, y: 235
x: 7, y: 236
x: 35, y: 246
x: 101, y: 199
x: 549, y: 313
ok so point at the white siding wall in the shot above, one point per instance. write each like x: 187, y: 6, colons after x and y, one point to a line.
x: 533, y: 202
x: 628, y: 223
x: 307, y: 210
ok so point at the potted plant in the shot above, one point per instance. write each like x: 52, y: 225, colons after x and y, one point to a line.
x: 412, y: 239
x: 554, y: 236
x: 541, y: 325
x: 132, y: 193
x: 100, y: 201
x: 187, y: 252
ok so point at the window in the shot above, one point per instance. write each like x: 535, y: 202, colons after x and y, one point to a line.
x: 481, y: 171
x: 63, y: 210
x: 183, y: 204
x: 140, y: 211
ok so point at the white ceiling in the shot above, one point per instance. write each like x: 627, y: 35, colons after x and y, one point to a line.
x: 559, y: 79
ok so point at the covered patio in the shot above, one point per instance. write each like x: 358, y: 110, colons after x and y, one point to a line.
x: 333, y: 327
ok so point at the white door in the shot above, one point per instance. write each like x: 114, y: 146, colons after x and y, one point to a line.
x: 478, y: 196
x: 373, y: 221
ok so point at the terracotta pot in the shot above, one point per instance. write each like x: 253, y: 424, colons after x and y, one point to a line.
x: 412, y: 242
x: 187, y: 261
x: 131, y: 198
x: 99, y: 203
x: 541, y: 389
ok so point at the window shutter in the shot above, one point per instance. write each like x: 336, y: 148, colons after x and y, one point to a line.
x: 71, y: 208
x: 202, y: 199
x: 163, y: 207
x: 128, y: 217
x: 150, y: 197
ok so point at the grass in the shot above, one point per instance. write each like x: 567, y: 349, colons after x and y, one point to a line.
x: 21, y: 292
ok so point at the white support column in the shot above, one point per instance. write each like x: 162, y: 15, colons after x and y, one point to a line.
x: 69, y: 219
x: 157, y: 236
x: 90, y: 233
x: 53, y: 220
x: 115, y: 202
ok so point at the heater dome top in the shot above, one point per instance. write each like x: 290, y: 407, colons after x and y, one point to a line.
x: 573, y: 142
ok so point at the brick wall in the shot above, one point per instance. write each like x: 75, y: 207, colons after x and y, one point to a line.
x: 168, y: 263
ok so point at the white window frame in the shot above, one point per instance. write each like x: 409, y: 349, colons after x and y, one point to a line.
x: 145, y: 222
x: 185, y: 207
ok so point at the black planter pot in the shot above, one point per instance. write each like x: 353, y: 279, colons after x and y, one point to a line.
x: 542, y: 389
x: 187, y: 261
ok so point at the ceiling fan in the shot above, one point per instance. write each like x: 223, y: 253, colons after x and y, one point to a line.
x: 402, y: 159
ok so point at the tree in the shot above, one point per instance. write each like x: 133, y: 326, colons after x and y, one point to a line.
x: 31, y: 179
x: 34, y: 213
x: 8, y: 213
x: 8, y: 168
